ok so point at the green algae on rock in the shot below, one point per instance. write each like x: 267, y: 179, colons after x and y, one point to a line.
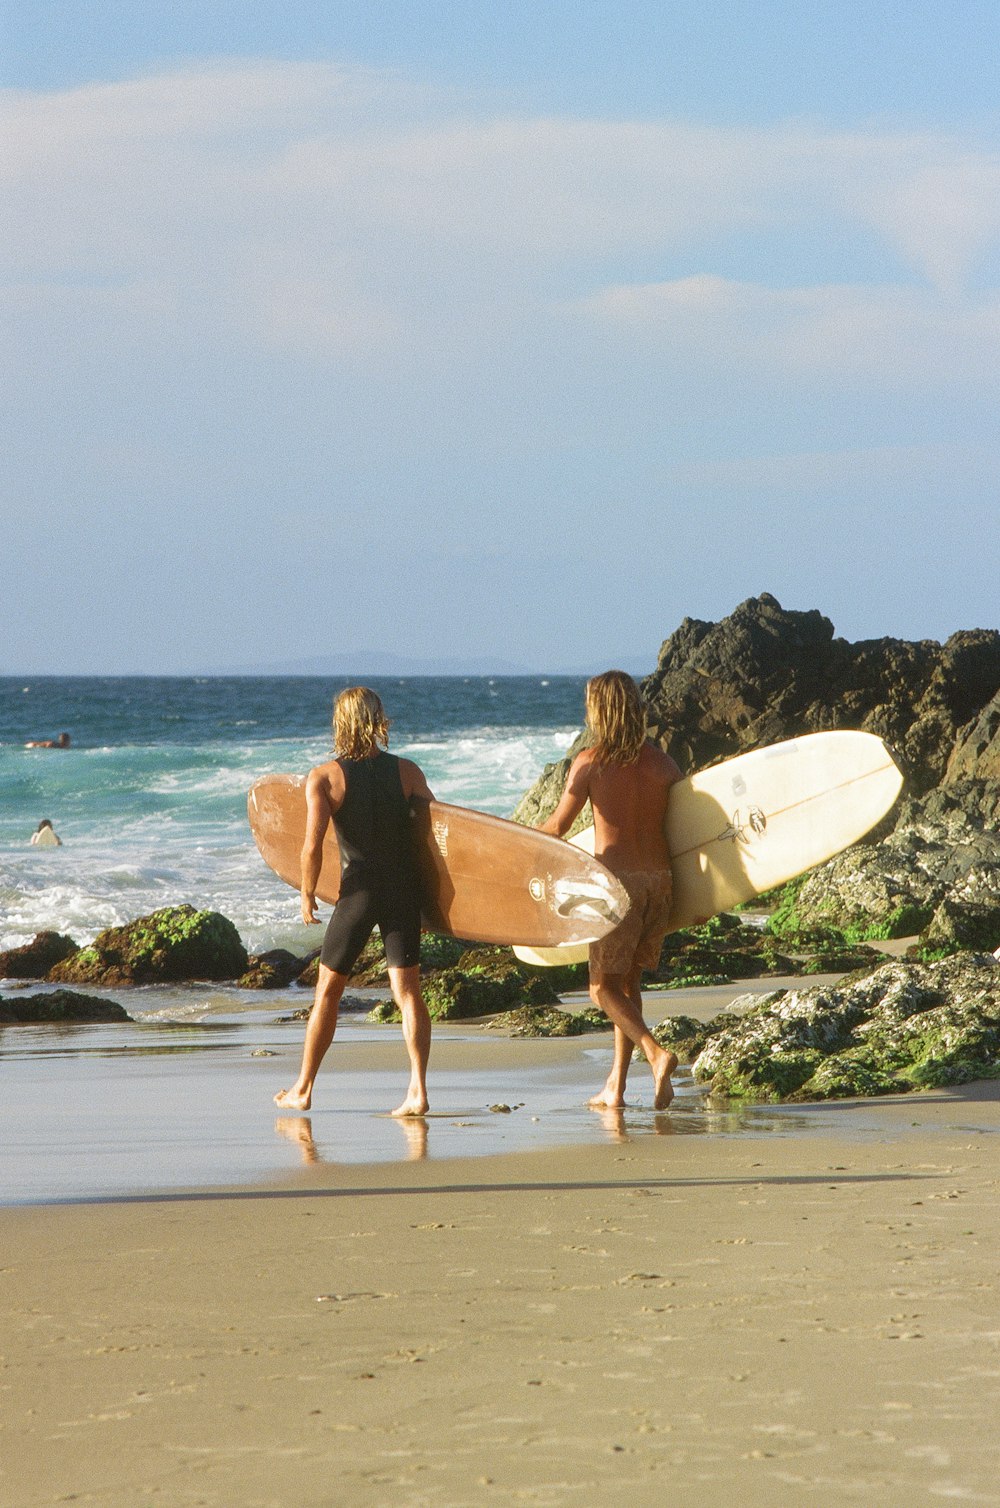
x: 175, y: 944
x: 481, y: 984
x: 549, y: 1021
x: 902, y: 1027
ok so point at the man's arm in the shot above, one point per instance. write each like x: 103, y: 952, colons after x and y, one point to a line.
x: 414, y: 781
x: 576, y: 793
x: 321, y: 803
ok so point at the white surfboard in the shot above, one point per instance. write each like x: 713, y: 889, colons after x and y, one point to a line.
x: 755, y: 821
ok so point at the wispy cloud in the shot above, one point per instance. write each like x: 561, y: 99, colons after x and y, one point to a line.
x: 904, y: 335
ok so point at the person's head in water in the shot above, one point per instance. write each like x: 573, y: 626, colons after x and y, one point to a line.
x: 360, y: 726
x: 45, y: 822
x: 616, y: 717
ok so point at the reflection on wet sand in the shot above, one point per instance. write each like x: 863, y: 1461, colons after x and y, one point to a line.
x: 298, y: 1129
x: 614, y: 1122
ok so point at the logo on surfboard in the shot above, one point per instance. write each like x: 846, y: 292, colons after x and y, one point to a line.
x: 744, y: 826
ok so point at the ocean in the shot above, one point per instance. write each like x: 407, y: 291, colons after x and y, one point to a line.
x: 150, y: 803
x: 150, y: 798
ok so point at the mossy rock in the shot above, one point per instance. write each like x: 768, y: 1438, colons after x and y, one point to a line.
x: 682, y: 1034
x: 384, y: 1013
x: 763, y: 1080
x: 459, y: 993
x: 903, y: 921
x: 717, y: 952
x: 175, y: 944
x: 60, y: 1005
x: 851, y: 1076
x: 549, y: 1021
x: 899, y: 1027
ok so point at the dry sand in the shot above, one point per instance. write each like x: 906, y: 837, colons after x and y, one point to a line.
x: 706, y: 1320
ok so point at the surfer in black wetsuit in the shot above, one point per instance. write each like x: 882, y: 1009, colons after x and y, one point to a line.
x: 366, y: 793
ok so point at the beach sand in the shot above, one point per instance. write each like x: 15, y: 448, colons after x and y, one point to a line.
x: 647, y: 1319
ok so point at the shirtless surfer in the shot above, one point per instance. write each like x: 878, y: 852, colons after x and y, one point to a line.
x: 627, y: 780
x: 62, y: 742
x: 366, y: 793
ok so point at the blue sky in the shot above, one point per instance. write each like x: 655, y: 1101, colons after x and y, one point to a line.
x: 519, y: 332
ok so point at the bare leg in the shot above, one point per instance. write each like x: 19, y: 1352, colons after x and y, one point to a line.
x: 320, y: 1028
x: 612, y: 1096
x: 416, y: 1034
x: 609, y: 992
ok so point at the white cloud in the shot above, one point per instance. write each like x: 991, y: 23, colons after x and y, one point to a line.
x: 281, y: 152
x: 905, y: 335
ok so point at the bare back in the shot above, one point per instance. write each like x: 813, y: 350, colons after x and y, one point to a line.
x: 629, y: 802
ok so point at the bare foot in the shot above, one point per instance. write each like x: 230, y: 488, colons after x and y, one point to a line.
x: 608, y: 1099
x: 663, y: 1090
x: 414, y: 1104
x: 292, y: 1099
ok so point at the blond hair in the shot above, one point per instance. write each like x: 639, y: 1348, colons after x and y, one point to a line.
x: 360, y: 725
x: 616, y: 717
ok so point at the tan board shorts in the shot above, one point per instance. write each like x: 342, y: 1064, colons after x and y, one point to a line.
x: 636, y: 942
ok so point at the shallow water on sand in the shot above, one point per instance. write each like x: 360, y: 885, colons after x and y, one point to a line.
x: 194, y: 1108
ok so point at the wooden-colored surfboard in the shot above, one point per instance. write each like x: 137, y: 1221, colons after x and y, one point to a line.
x: 483, y: 878
x: 753, y: 822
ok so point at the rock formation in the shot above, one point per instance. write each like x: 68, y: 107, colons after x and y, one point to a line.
x: 904, y: 1026
x: 59, y: 1005
x: 764, y: 674
x: 169, y: 946
x: 35, y: 959
x: 938, y: 870
x: 977, y: 749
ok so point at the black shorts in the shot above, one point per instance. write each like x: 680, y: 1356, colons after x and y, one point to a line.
x: 364, y: 903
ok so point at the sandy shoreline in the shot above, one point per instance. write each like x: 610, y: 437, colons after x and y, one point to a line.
x: 183, y: 1097
x: 766, y: 1319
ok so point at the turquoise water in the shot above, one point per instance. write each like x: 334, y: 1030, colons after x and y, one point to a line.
x: 150, y: 799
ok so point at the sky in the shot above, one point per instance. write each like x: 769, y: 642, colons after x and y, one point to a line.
x: 514, y: 333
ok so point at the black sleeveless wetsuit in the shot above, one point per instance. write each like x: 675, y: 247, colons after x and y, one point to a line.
x: 379, y: 883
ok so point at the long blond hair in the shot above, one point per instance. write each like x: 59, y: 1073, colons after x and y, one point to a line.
x: 616, y: 717
x: 360, y: 726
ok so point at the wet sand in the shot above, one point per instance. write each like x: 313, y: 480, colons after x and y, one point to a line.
x: 806, y: 1318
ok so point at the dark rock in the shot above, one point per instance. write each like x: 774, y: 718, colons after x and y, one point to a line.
x: 904, y: 1026
x: 35, y: 959
x: 977, y: 749
x: 310, y: 974
x: 765, y: 674
x: 175, y: 944
x: 357, y: 1005
x: 958, y: 924
x: 945, y: 848
x: 60, y: 1005
x: 273, y: 970
x: 548, y: 1021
